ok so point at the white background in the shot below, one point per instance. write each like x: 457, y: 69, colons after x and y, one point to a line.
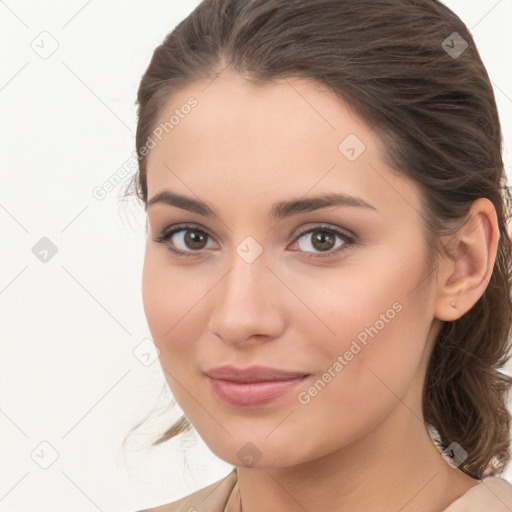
x: 69, y: 375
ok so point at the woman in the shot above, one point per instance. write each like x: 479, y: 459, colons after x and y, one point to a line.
x: 327, y: 268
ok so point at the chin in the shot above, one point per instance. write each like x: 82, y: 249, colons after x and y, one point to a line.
x: 259, y: 453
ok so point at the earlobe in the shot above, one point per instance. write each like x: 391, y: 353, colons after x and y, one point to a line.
x: 464, y: 276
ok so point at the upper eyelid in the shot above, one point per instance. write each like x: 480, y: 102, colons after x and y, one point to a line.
x: 184, y: 226
x: 176, y: 228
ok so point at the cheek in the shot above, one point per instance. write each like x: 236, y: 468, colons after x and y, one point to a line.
x: 154, y: 295
x: 359, y: 301
x: 381, y: 292
x: 163, y: 298
x: 378, y: 320
x: 173, y: 299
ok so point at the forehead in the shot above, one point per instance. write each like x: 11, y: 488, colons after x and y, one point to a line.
x: 233, y: 110
x: 253, y: 139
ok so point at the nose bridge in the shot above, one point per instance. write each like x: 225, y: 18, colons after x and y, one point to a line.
x: 242, y: 305
x: 246, y: 280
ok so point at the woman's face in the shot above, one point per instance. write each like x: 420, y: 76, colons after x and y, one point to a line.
x: 265, y: 283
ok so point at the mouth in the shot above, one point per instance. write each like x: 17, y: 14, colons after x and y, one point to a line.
x: 252, y: 387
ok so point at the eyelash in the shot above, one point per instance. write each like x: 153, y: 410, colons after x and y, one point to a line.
x: 168, y: 233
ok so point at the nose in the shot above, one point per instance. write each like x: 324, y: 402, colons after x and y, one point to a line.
x: 248, y: 303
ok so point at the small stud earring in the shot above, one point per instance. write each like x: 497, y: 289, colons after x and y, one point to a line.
x: 452, y: 304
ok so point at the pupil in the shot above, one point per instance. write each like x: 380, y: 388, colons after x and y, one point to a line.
x: 321, y: 238
x: 195, y: 238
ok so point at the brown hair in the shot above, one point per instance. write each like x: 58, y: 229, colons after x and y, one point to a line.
x: 401, y: 68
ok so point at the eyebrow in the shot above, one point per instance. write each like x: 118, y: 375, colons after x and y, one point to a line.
x: 279, y: 210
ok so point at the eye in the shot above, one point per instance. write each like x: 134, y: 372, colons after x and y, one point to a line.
x: 186, y: 239
x: 189, y: 240
x: 324, y: 241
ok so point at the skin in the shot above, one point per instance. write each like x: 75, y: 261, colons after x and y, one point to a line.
x: 360, y: 444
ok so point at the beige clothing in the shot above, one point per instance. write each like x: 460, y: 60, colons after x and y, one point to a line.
x: 492, y: 494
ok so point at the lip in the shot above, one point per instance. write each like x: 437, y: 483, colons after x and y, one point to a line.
x: 252, y: 374
x: 252, y: 387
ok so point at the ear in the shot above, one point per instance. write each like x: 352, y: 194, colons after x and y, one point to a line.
x: 463, y: 277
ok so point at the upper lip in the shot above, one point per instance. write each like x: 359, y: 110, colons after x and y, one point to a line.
x: 252, y: 374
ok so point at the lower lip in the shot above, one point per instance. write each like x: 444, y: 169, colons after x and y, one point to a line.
x: 253, y: 394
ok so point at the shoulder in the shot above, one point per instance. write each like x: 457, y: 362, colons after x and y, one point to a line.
x: 211, y: 498
x: 492, y: 493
